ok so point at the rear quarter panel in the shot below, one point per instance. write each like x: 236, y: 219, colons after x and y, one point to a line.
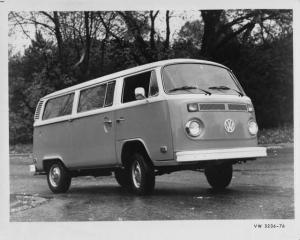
x: 52, y: 141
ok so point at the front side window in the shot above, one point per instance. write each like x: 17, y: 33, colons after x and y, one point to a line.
x: 92, y: 98
x: 110, y: 94
x: 60, y: 106
x: 194, y: 78
x: 146, y: 80
x: 153, y: 88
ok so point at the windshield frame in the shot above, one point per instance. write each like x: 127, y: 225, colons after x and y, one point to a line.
x: 238, y: 85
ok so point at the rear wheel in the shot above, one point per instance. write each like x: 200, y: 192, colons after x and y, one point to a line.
x: 58, y: 178
x: 219, y: 177
x: 142, y: 176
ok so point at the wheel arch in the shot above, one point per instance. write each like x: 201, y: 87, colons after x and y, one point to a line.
x: 48, y: 161
x: 132, y: 146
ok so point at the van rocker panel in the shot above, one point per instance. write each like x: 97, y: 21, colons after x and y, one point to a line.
x: 220, y: 154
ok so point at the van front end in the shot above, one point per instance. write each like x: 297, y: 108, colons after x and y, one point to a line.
x: 213, y: 133
x: 212, y: 128
x: 212, y: 119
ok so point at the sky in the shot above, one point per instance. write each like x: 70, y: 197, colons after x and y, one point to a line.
x: 18, y: 41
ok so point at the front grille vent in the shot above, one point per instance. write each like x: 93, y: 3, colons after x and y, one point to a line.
x: 237, y: 107
x: 211, y: 106
x: 38, y: 110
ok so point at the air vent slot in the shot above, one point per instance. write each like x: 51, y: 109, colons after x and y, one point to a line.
x: 38, y: 110
x: 237, y: 107
x: 211, y: 106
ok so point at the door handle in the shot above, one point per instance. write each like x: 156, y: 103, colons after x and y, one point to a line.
x: 107, y: 121
x: 120, y: 119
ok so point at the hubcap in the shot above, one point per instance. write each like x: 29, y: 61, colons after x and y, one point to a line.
x: 136, y: 174
x: 54, y: 177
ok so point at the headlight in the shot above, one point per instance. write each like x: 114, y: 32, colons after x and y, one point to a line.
x: 252, y: 127
x: 194, y: 127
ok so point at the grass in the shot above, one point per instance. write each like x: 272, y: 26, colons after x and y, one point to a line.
x: 276, y: 135
x: 20, y: 148
x: 265, y: 136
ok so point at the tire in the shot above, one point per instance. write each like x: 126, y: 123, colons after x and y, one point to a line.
x: 142, y: 176
x: 219, y: 177
x: 122, y: 177
x: 58, y: 178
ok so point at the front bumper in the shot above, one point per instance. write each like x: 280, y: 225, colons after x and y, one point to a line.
x: 220, y: 154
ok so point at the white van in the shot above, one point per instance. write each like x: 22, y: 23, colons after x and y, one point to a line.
x: 145, y: 121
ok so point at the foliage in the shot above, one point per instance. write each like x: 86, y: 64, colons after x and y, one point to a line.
x: 20, y: 148
x: 276, y: 135
x: 266, y: 72
x: 73, y: 47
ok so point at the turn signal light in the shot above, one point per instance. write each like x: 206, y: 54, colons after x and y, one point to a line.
x: 192, y: 107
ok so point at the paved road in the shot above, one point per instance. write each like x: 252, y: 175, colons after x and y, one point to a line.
x: 262, y: 189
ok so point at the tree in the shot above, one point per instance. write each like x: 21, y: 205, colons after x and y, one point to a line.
x: 72, y: 47
x: 222, y: 27
x: 192, y: 32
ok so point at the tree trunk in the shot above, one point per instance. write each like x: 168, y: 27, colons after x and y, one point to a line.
x: 58, y: 38
x: 167, y: 41
x: 152, y: 30
x: 87, y: 19
x: 136, y: 32
x: 212, y: 24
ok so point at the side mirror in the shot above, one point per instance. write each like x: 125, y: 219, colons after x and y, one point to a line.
x: 139, y: 93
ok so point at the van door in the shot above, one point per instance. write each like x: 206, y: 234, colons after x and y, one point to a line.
x: 93, y: 127
x: 146, y: 120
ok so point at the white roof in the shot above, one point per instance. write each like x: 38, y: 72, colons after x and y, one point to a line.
x: 129, y: 71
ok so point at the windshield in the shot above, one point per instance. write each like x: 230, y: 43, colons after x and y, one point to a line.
x: 198, y: 78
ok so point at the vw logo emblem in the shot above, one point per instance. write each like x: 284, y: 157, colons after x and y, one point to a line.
x: 229, y: 125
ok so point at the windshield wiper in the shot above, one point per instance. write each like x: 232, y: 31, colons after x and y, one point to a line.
x: 189, y: 88
x: 226, y: 88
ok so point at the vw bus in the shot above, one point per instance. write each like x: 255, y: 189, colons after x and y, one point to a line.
x: 179, y: 114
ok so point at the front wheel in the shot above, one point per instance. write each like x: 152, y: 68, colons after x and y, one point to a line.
x: 219, y: 177
x: 142, y: 176
x: 58, y: 178
x: 122, y: 177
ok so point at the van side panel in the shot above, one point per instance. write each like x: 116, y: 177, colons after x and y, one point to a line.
x: 52, y: 141
x: 148, y: 121
x: 93, y: 141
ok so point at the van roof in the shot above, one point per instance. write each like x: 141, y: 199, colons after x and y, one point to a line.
x: 127, y: 72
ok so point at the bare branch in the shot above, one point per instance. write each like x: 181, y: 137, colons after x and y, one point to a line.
x: 233, y: 34
x: 21, y: 26
x: 48, y: 15
x: 107, y: 28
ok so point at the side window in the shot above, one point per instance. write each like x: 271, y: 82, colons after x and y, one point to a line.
x: 153, y: 89
x: 146, y: 80
x: 110, y: 94
x: 92, y: 98
x: 59, y: 106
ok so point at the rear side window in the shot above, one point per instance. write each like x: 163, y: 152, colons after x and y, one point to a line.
x: 92, y: 98
x: 57, y: 107
x: 96, y: 97
x: 146, y: 80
